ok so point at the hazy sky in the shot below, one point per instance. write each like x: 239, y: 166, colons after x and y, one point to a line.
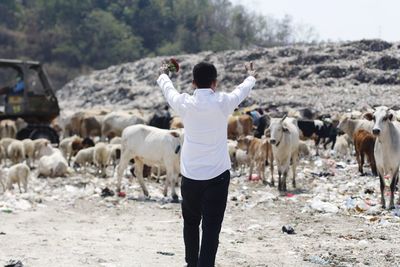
x: 338, y: 19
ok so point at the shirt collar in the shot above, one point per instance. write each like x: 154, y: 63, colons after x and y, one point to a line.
x: 203, y: 91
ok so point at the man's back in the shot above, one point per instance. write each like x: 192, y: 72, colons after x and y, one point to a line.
x: 205, y: 115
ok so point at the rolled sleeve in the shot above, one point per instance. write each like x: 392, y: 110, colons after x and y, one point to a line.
x: 174, y: 99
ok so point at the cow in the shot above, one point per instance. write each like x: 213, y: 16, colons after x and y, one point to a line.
x: 285, y: 148
x: 350, y: 126
x: 263, y: 123
x: 161, y: 119
x: 241, y: 125
x: 387, y: 149
x: 154, y: 147
x: 320, y: 130
x: 364, y: 143
x: 176, y: 123
x: 115, y: 122
x: 259, y: 151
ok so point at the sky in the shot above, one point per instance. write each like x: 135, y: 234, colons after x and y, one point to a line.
x: 337, y: 20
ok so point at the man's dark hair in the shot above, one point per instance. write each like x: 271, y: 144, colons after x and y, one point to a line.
x: 204, y: 74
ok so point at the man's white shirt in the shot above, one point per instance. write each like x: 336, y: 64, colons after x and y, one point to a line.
x: 205, y: 118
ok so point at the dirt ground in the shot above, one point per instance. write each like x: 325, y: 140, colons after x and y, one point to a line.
x: 67, y: 223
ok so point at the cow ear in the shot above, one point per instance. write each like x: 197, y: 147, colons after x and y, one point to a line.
x: 390, y: 116
x: 174, y: 134
x: 285, y: 129
x: 369, y: 116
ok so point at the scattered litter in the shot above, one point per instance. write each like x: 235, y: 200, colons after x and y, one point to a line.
x: 121, y: 194
x: 288, y: 229
x: 106, y: 192
x: 14, y: 263
x: 322, y: 206
x: 369, y: 191
x: 2, y: 233
x: 254, y: 177
x: 318, y: 260
x: 6, y: 210
x: 165, y: 253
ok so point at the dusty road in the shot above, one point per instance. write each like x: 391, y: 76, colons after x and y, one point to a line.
x: 68, y: 224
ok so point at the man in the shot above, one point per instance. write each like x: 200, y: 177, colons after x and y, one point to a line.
x: 17, y: 89
x: 205, y: 159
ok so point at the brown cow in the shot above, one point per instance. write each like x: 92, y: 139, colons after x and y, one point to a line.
x: 364, y: 143
x: 239, y: 126
x: 176, y: 123
x: 259, y: 151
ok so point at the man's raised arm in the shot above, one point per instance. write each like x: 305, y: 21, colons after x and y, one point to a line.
x: 235, y: 97
x: 174, y: 99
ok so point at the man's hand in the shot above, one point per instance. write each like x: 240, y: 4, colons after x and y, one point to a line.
x: 250, y: 69
x: 164, y: 69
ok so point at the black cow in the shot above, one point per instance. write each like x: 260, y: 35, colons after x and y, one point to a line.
x: 161, y: 119
x: 323, y: 130
x: 263, y: 124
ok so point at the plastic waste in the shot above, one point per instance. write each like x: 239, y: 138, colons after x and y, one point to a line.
x: 288, y: 229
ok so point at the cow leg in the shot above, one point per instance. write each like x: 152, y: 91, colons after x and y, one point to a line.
x: 139, y: 175
x: 69, y: 159
x: 123, y: 164
x: 271, y: 167
x: 284, y: 189
x: 317, y: 145
x: 279, y: 180
x: 326, y: 142
x: 19, y: 187
x: 333, y: 142
x: 371, y: 161
x: 392, y: 189
x: 294, y: 165
x: 362, y: 161
x: 26, y: 184
x: 2, y: 185
x: 358, y: 161
x: 174, y: 181
x: 158, y: 173
x: 251, y: 168
x: 262, y: 171
x: 166, y: 183
x: 382, y: 185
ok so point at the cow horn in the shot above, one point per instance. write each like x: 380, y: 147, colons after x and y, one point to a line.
x: 284, y: 117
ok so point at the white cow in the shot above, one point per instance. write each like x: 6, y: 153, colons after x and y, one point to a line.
x: 285, y: 148
x: 153, y: 147
x: 115, y: 122
x: 350, y: 126
x: 387, y: 149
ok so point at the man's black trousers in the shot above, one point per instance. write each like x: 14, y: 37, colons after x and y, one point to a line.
x: 206, y: 201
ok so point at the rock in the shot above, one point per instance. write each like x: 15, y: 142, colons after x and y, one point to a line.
x: 311, y: 59
x: 375, y: 45
x: 385, y: 63
x: 324, y: 207
x: 330, y: 71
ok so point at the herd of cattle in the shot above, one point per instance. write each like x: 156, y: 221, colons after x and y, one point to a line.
x: 256, y: 138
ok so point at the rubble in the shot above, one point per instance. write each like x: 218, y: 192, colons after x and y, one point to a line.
x: 338, y: 75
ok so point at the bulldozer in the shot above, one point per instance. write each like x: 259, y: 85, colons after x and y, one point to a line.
x: 29, y: 97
